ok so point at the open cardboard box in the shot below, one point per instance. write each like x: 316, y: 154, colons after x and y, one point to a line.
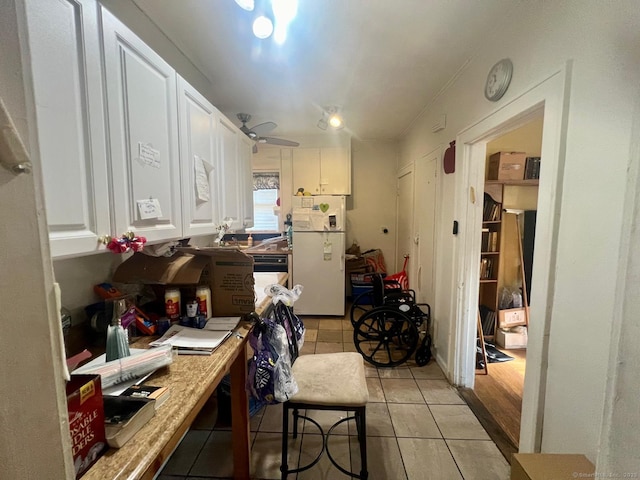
x: 550, y: 466
x: 227, y: 271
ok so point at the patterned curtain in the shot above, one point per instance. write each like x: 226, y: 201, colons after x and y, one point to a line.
x: 266, y: 180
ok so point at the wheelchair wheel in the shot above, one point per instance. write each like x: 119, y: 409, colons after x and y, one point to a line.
x: 385, y: 337
x: 361, y: 305
x: 423, y: 355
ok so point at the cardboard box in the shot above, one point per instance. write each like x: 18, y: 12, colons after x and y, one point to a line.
x: 86, y: 421
x: 506, y: 166
x: 508, y: 339
x: 511, y: 317
x: 550, y: 466
x: 227, y: 271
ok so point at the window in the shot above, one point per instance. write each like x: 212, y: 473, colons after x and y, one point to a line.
x: 266, y: 190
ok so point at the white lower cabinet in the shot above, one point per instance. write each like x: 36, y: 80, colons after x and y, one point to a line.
x: 199, y: 162
x: 143, y: 129
x: 64, y: 44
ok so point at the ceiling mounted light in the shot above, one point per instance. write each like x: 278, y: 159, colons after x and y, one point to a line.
x: 322, y: 123
x: 247, y: 5
x: 262, y: 27
x: 335, y: 118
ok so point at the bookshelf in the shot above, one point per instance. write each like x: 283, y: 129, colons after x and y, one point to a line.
x: 493, y: 250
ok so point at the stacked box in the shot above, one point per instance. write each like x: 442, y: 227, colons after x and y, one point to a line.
x: 507, y: 166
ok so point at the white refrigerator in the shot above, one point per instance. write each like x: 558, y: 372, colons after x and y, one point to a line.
x: 318, y: 224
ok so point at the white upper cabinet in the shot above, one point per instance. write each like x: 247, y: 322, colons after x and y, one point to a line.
x: 143, y: 129
x: 322, y: 171
x: 65, y: 61
x: 245, y: 152
x: 231, y: 199
x: 199, y: 161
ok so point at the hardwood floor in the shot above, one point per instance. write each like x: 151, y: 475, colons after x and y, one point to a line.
x: 500, y: 392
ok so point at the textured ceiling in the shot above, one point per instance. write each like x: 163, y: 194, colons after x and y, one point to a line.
x: 381, y: 61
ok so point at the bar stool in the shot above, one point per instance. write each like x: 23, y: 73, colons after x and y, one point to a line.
x: 329, y: 381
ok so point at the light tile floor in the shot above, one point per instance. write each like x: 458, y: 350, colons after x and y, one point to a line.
x: 418, y: 427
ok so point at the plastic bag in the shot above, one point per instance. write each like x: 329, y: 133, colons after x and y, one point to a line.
x: 276, y: 341
x: 270, y: 378
x: 510, y: 297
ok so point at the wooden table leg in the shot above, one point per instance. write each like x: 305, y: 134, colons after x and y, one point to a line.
x: 240, y: 418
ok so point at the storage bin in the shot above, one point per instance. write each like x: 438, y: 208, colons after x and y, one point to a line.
x: 506, y: 166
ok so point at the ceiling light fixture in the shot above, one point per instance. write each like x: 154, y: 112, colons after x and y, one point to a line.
x: 262, y: 27
x: 331, y: 117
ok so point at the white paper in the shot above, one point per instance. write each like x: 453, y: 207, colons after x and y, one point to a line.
x: 319, y: 221
x: 149, y: 208
x: 187, y: 337
x: 202, y: 170
x: 222, y: 323
x: 148, y: 155
x: 307, y: 202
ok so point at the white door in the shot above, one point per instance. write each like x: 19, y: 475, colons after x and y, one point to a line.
x: 228, y: 152
x: 405, y: 238
x: 143, y: 128
x: 425, y: 221
x: 318, y: 265
x: 199, y: 161
x: 64, y: 43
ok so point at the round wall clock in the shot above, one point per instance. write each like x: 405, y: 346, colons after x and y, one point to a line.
x: 498, y: 80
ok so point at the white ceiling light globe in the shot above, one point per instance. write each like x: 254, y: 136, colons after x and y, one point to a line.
x: 262, y: 27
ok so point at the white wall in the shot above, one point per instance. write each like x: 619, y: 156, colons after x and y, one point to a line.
x: 539, y: 38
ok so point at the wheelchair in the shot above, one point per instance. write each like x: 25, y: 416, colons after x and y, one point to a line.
x: 386, y: 321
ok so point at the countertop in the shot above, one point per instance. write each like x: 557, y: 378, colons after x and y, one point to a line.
x: 191, y: 380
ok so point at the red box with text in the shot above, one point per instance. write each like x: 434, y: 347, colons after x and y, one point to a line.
x: 86, y: 420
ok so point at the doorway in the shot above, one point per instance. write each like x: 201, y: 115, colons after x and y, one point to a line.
x: 506, y: 257
x: 546, y: 96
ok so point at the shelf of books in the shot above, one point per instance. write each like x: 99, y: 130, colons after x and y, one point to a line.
x: 490, y: 259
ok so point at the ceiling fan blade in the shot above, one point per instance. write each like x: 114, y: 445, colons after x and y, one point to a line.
x: 279, y: 141
x: 263, y: 128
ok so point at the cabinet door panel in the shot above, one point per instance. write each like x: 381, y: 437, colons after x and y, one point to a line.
x: 229, y: 178
x: 65, y: 55
x: 335, y: 171
x: 306, y: 170
x: 142, y: 104
x: 199, y: 161
x: 246, y: 180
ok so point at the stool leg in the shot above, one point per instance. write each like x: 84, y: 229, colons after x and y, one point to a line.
x: 296, y: 414
x: 284, y: 467
x: 361, y: 422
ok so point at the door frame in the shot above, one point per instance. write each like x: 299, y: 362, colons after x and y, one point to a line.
x: 551, y: 95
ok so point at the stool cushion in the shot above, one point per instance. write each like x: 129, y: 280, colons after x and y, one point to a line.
x: 331, y: 379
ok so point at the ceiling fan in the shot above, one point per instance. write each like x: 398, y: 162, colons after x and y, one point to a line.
x: 256, y: 133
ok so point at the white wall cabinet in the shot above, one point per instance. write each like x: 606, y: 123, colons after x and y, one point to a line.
x: 199, y: 162
x: 69, y: 109
x: 236, y: 178
x: 143, y: 129
x: 122, y: 137
x: 322, y: 171
x: 245, y: 152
